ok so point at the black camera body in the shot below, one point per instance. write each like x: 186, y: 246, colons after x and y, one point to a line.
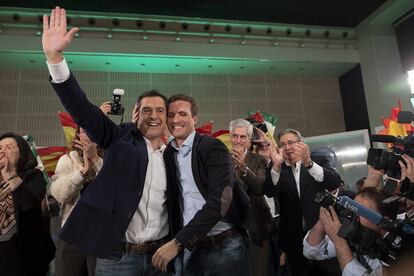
x: 116, y: 106
x: 387, y: 160
x: 365, y: 241
x: 391, y: 246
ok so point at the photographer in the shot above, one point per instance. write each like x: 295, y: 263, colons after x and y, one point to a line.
x: 322, y: 241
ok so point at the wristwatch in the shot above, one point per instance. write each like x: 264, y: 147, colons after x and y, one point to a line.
x: 244, y: 173
x: 178, y: 244
x: 310, y: 165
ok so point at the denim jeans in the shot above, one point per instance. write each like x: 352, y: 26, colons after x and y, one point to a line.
x: 229, y: 258
x: 122, y: 264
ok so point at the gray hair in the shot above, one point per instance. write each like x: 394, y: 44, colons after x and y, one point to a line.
x: 241, y: 123
x: 289, y: 131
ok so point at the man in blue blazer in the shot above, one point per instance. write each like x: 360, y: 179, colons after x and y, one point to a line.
x: 128, y: 211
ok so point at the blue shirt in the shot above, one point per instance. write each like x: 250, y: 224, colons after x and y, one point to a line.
x: 191, y: 199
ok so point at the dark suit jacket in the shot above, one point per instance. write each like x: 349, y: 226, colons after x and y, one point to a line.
x: 293, y: 208
x: 30, y: 251
x: 213, y: 173
x: 99, y: 220
x: 252, y: 183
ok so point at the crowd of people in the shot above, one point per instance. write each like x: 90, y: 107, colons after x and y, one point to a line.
x: 132, y: 205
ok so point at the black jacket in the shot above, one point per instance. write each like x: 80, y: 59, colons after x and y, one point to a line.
x: 293, y: 208
x: 213, y: 172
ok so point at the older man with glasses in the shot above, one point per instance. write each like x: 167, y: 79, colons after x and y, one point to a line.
x: 296, y: 179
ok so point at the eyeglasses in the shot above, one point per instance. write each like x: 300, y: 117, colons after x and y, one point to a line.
x: 289, y: 143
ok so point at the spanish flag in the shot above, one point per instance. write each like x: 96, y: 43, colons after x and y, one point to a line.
x: 224, y: 136
x: 206, y: 129
x: 69, y: 127
x: 50, y: 156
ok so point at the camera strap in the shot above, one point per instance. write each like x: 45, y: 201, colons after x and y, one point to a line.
x: 362, y: 260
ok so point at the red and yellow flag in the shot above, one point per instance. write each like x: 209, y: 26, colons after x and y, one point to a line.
x: 69, y: 127
x: 206, y: 129
x: 50, y: 156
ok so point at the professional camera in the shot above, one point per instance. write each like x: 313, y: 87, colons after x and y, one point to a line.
x: 326, y: 199
x: 116, y: 106
x: 365, y: 241
x: 387, y: 160
x: 397, y: 241
x: 260, y: 125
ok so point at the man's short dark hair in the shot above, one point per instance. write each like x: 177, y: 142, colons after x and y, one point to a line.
x: 26, y: 159
x: 185, y: 98
x: 288, y: 131
x: 151, y: 93
x: 372, y: 193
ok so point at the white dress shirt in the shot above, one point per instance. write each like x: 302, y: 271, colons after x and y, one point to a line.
x: 326, y: 250
x: 316, y: 172
x: 150, y: 221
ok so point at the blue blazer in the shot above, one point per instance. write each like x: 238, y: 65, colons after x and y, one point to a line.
x: 98, y: 222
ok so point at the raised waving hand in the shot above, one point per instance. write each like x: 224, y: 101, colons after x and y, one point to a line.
x: 55, y: 36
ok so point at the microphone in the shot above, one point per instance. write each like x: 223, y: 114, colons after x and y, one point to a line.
x: 383, y: 138
x: 360, y: 210
x: 405, y: 117
x: 375, y: 217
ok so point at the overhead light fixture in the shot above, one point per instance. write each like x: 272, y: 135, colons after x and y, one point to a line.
x: 275, y: 43
x: 268, y: 30
x: 109, y: 36
x: 178, y: 39
x: 77, y: 34
x: 92, y: 21
x: 162, y: 24
x: 145, y: 36
x: 242, y: 41
x: 326, y: 33
x: 38, y: 33
x: 116, y: 22
x: 227, y: 28
x: 212, y: 40
x: 16, y: 17
x: 139, y: 23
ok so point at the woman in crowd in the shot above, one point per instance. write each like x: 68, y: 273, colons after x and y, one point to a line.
x: 74, y: 172
x: 26, y: 247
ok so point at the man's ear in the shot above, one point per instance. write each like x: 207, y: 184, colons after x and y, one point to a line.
x: 195, y: 119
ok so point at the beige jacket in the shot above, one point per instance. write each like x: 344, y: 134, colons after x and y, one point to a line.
x: 67, y: 182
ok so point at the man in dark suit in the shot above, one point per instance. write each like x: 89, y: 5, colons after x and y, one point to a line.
x: 128, y: 211
x: 250, y: 173
x: 296, y: 179
x: 212, y: 244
